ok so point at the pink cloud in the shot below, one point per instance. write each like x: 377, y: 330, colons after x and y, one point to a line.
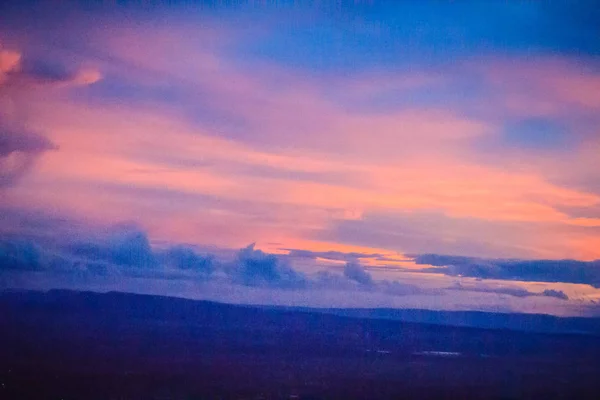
x: 9, y: 61
x: 409, y: 160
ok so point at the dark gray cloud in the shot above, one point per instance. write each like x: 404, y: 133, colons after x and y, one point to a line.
x: 356, y: 272
x: 32, y: 72
x: 23, y: 142
x: 130, y: 246
x: 19, y: 254
x: 510, y: 291
x: 185, y: 258
x: 256, y: 268
x: 123, y: 250
x: 330, y: 280
x: 483, y: 288
x: 125, y: 246
x: 568, y: 271
x: 45, y: 72
x: 331, y: 255
x: 559, y: 294
x: 18, y: 152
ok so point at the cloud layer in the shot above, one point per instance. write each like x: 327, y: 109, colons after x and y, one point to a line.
x: 570, y: 271
x: 338, y: 142
x: 124, y: 252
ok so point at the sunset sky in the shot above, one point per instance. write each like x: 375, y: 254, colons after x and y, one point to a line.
x: 344, y: 138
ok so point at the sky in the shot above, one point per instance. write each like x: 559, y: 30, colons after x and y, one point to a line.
x: 375, y: 153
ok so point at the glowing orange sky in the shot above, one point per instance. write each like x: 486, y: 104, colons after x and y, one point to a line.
x: 295, y: 153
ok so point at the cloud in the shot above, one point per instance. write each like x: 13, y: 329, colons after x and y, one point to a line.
x: 256, y: 268
x: 18, y: 152
x: 508, y: 290
x: 429, y: 184
x: 185, y: 258
x: 21, y: 72
x: 125, y: 246
x: 356, y: 272
x: 9, y: 61
x: 19, y: 254
x: 425, y: 231
x: 131, y: 247
x: 123, y: 253
x: 329, y: 280
x: 123, y: 249
x: 19, y: 147
x: 559, y: 294
x: 55, y: 76
x: 567, y: 271
x: 397, y: 288
x: 333, y: 255
x: 484, y: 288
x: 23, y: 142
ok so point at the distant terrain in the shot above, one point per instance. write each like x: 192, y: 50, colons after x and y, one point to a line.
x: 83, y: 345
x: 541, y: 323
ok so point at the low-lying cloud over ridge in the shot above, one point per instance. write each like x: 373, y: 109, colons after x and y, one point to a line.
x: 124, y: 250
x: 254, y: 267
x: 567, y: 271
x: 509, y: 291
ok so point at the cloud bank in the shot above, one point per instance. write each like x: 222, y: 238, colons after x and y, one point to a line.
x: 357, y: 273
x: 507, y: 290
x: 569, y: 271
x: 124, y: 251
x: 255, y: 267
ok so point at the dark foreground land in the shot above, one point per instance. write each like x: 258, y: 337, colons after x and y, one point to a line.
x: 70, y: 345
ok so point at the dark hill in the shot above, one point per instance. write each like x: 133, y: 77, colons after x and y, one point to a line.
x: 65, y: 344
